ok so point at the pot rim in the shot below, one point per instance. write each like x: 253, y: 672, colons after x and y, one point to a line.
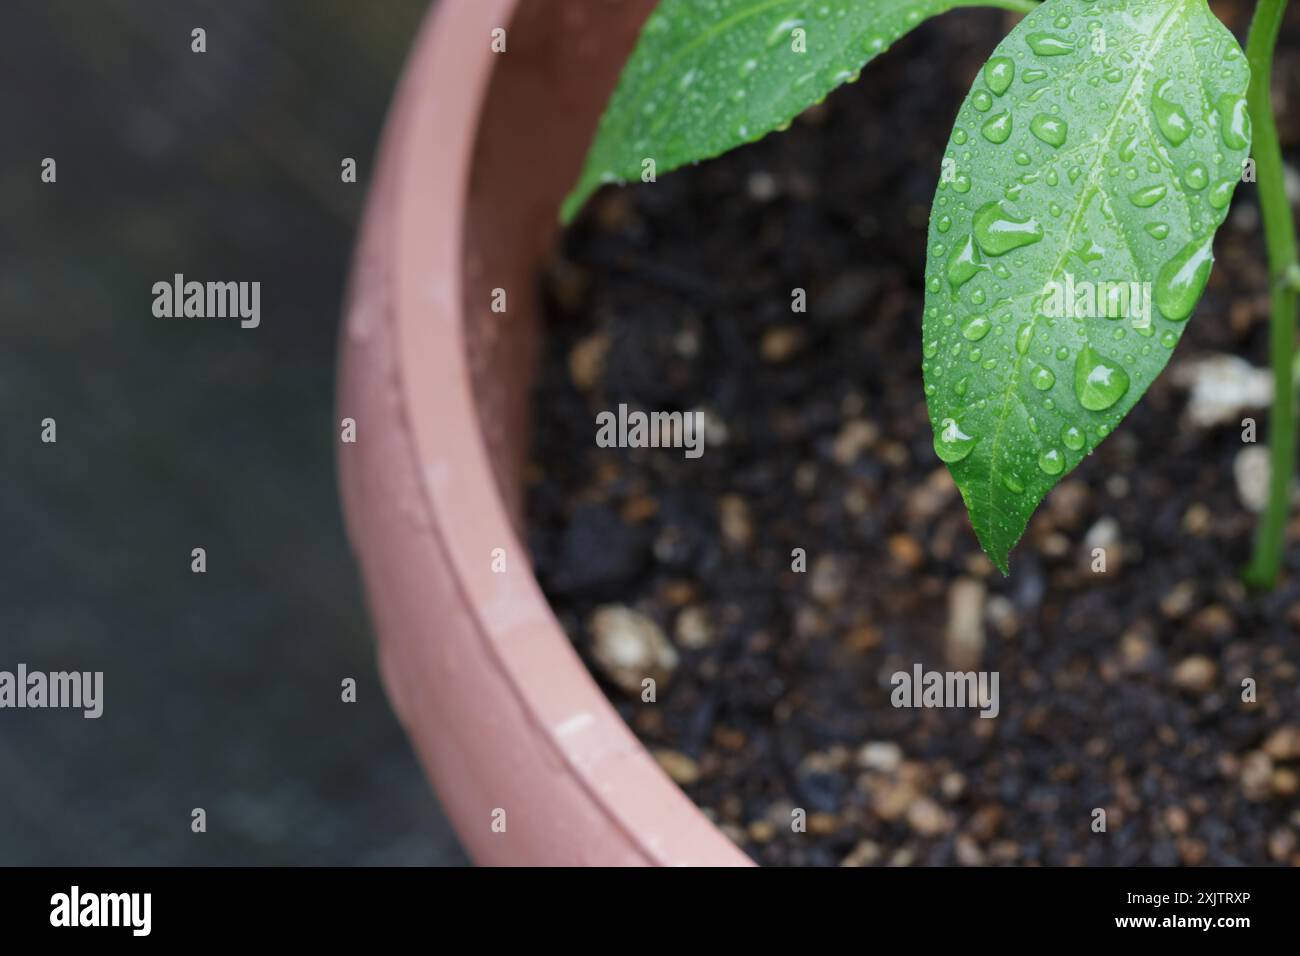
x: 431, y: 166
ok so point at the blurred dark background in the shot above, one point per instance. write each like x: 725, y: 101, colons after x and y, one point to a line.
x: 222, y: 690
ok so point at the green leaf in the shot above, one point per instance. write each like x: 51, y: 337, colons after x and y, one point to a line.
x: 1100, y: 144
x: 710, y: 75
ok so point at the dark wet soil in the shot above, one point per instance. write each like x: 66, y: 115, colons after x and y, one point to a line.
x: 1120, y: 691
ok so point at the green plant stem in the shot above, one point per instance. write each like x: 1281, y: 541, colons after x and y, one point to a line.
x: 1279, y: 235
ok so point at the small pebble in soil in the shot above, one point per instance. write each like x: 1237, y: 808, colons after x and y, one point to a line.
x: 680, y: 767
x: 964, y: 635
x: 1195, y: 674
x: 1252, y: 468
x: 628, y: 648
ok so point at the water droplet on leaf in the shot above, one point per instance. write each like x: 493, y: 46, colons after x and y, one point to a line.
x: 1099, y: 382
x: 997, y: 129
x: 1050, y: 129
x: 998, y: 73
x: 998, y: 231
x: 1221, y: 194
x: 976, y: 328
x: 1170, y: 117
x: 1052, y: 462
x: 1049, y: 44
x: 1234, y: 121
x: 1042, y: 377
x: 1148, y: 197
x: 1024, y: 335
x: 782, y: 31
x: 951, y: 444
x: 963, y: 264
x: 1181, y: 280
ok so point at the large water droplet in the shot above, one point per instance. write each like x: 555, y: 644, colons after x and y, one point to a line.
x: 981, y: 100
x: 1089, y: 250
x: 1052, y: 462
x: 1049, y: 44
x: 976, y: 328
x: 1013, y: 484
x: 963, y: 264
x: 1148, y: 197
x: 1050, y: 129
x: 951, y: 444
x: 1024, y: 335
x: 1042, y: 377
x: 1221, y: 194
x: 997, y: 129
x: 782, y: 30
x: 1196, y: 176
x: 1158, y: 230
x: 1234, y: 121
x: 998, y: 231
x: 1073, y: 437
x: 998, y: 73
x: 1170, y: 117
x: 1181, y: 280
x: 1099, y: 382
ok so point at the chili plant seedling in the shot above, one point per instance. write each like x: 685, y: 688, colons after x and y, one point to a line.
x: 1071, y: 235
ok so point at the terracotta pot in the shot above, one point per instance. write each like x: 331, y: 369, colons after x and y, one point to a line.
x: 510, y: 727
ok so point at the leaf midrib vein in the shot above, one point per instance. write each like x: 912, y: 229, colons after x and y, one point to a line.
x: 1086, y: 195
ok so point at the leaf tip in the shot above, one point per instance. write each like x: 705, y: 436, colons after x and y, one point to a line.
x: 999, y: 555
x: 994, y: 546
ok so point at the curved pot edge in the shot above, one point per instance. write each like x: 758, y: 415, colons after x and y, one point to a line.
x: 630, y: 810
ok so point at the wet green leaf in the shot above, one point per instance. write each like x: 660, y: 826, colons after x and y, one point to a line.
x: 710, y: 75
x: 1071, y: 238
